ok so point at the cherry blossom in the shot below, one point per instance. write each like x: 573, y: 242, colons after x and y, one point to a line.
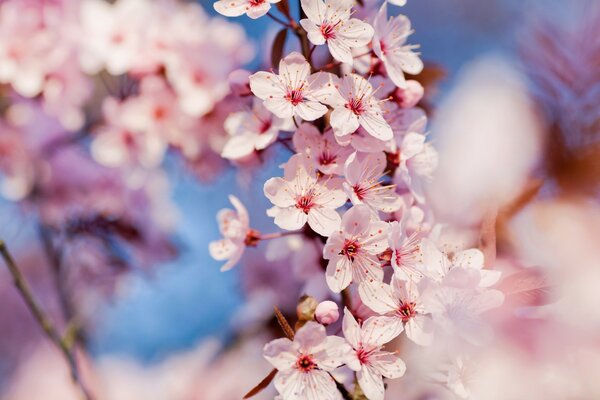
x: 389, y: 46
x: 304, y: 364
x: 354, y: 105
x: 462, y: 264
x: 457, y: 306
x: 234, y: 226
x: 352, y: 251
x: 252, y: 130
x: 321, y: 150
x: 370, y: 362
x: 299, y: 197
x: 252, y: 8
x: 119, y: 144
x: 405, y: 258
x: 403, y: 307
x: 329, y: 22
x: 294, y: 91
x: 363, y: 186
x: 418, y: 162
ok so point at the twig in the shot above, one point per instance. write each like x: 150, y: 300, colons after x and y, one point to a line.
x: 42, y: 319
x: 279, y: 21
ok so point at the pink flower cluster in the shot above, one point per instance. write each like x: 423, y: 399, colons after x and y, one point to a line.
x: 354, y: 185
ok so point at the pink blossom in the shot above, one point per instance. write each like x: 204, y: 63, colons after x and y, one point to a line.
x: 418, y: 162
x: 467, y: 264
x: 370, y: 362
x: 111, y: 34
x: 234, y: 226
x: 321, y: 150
x: 299, y: 197
x: 363, y: 186
x: 354, y: 105
x: 327, y: 312
x: 252, y: 130
x: 403, y: 307
x: 457, y: 305
x: 389, y: 46
x: 409, y: 96
x: 252, y: 8
x: 294, y: 91
x: 352, y: 251
x: 329, y: 22
x: 304, y: 364
x: 405, y: 251
x: 120, y: 142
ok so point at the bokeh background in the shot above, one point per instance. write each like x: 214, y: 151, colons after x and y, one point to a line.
x: 188, y: 302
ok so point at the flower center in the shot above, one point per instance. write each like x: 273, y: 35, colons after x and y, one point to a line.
x: 407, y: 310
x: 305, y: 202
x: 295, y: 96
x: 256, y: 3
x: 363, y: 356
x: 357, y: 106
x: 350, y: 249
x: 328, y: 30
x: 326, y: 158
x: 305, y: 363
x: 360, y: 191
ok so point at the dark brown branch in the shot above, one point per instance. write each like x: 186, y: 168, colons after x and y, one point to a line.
x: 43, y: 320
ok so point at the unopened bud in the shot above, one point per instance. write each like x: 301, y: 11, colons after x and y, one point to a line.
x: 306, y: 308
x: 327, y: 312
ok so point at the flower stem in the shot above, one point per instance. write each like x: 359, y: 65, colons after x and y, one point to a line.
x: 279, y: 21
x: 43, y: 320
x: 276, y: 235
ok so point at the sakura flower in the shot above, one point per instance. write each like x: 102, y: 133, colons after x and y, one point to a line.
x: 252, y: 130
x: 363, y: 172
x: 389, y: 46
x: 294, y: 91
x: 299, y: 197
x: 304, y: 364
x: 252, y: 8
x: 321, y: 150
x: 465, y: 264
x: 119, y: 143
x: 352, y: 251
x: 409, y: 96
x: 329, y: 22
x: 234, y: 226
x: 370, y: 362
x: 354, y: 105
x: 401, y: 303
x: 112, y: 34
x: 418, y: 162
x: 457, y: 307
x: 405, y: 251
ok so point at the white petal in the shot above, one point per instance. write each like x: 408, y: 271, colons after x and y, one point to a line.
x: 371, y: 383
x: 281, y: 353
x: 380, y: 330
x: 338, y: 274
x: 378, y: 297
x: 323, y: 220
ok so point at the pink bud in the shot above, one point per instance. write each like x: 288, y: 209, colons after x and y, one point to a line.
x: 327, y: 312
x: 411, y: 95
x: 239, y: 82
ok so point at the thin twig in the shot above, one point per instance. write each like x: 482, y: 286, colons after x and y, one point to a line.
x: 42, y: 319
x: 279, y: 21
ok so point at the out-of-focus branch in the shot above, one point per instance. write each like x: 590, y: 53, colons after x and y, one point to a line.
x: 43, y: 320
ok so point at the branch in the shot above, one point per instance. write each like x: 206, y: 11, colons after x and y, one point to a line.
x: 42, y: 319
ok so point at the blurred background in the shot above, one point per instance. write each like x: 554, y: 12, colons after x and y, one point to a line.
x: 184, y: 307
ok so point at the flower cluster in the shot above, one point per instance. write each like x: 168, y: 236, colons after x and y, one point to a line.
x: 354, y: 190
